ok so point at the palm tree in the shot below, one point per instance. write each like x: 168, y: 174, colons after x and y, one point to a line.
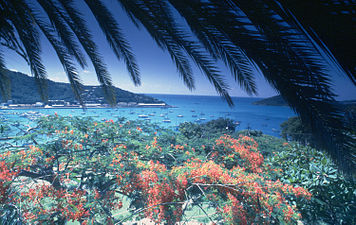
x: 284, y: 41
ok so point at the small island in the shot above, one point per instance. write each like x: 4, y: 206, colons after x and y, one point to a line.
x: 24, y: 94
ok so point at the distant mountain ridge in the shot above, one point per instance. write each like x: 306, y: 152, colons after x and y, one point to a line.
x: 24, y: 90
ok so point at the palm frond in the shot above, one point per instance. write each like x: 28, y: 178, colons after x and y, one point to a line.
x: 20, y: 15
x: 158, y: 20
x: 331, y: 25
x: 76, y: 22
x: 9, y: 39
x: 289, y: 61
x: 294, y: 67
x: 139, y: 12
x: 5, y: 86
x: 211, y: 72
x: 218, y: 45
x: 63, y: 31
x: 166, y: 20
x: 115, y: 37
x: 64, y: 56
x: 286, y: 41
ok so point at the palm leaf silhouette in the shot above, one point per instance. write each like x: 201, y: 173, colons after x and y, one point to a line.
x: 286, y: 41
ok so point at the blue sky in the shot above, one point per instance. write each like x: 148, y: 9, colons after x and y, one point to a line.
x: 158, y: 73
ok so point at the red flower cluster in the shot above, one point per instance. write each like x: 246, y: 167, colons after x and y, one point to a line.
x: 243, y: 151
x: 7, y: 173
x: 67, y: 204
x: 233, y: 178
x: 159, y: 193
x: 247, y: 192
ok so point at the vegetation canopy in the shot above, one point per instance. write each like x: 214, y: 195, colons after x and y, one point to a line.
x: 290, y: 42
x: 76, y: 169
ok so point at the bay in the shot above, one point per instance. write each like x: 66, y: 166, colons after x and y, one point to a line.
x: 186, y: 108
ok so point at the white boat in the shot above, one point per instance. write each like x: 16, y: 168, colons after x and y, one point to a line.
x: 180, y: 116
x: 142, y: 116
x: 166, y: 121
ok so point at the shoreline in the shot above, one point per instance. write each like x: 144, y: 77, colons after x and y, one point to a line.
x: 139, y: 105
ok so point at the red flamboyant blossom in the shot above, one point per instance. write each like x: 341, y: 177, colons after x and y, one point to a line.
x: 83, y: 177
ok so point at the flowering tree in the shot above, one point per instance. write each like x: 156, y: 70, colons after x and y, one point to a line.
x: 109, y: 172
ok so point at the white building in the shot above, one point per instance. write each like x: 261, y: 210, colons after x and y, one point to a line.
x: 39, y: 104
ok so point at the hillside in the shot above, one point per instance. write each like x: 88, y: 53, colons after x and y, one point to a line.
x: 272, y: 101
x: 24, y: 90
x: 279, y: 101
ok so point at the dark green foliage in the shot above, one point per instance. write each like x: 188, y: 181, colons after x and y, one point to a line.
x: 214, y: 127
x: 198, y: 135
x: 294, y: 130
x: 9, y: 215
x: 333, y: 197
x: 221, y: 125
x: 266, y: 144
x: 250, y: 133
x: 23, y: 90
x: 190, y: 130
x: 350, y: 115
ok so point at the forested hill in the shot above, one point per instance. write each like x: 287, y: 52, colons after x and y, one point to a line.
x: 279, y: 101
x: 273, y: 101
x: 24, y: 90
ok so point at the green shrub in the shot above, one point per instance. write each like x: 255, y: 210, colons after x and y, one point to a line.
x: 333, y: 197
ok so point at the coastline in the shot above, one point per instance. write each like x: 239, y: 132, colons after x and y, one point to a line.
x: 89, y: 106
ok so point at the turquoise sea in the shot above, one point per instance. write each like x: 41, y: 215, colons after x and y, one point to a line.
x: 186, y: 108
